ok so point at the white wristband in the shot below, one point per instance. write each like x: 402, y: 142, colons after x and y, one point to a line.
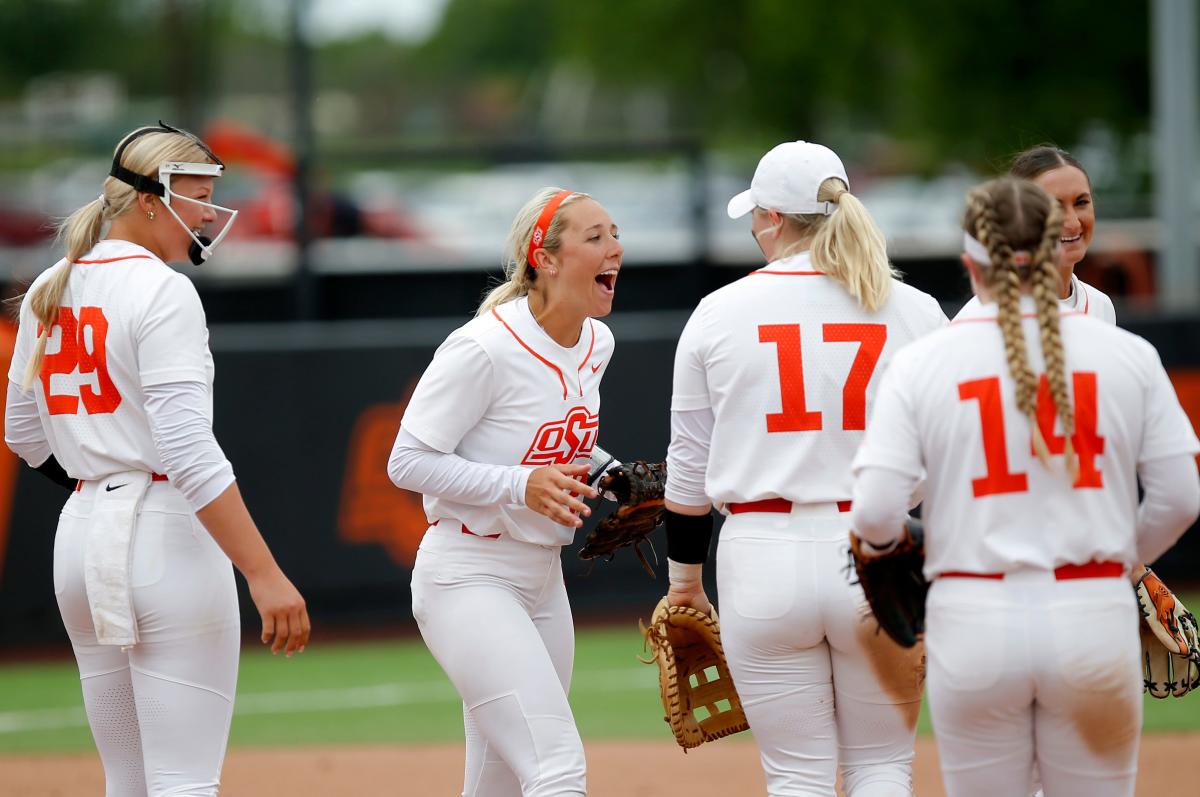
x: 684, y: 575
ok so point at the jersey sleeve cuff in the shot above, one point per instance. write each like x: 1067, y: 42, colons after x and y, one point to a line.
x: 688, y: 403
x: 164, y: 376
x: 208, y: 490
x: 861, y: 463
x: 520, y: 482
x: 684, y: 497
x: 429, y: 437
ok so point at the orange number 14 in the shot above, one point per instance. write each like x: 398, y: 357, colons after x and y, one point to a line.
x: 1085, y: 440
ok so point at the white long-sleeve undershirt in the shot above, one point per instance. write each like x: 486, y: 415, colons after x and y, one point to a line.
x: 1170, y: 503
x: 23, y: 430
x: 183, y: 436
x: 879, y: 504
x: 687, y: 456
x: 415, y: 466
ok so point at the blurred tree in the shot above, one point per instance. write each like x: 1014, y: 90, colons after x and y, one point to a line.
x: 961, y: 81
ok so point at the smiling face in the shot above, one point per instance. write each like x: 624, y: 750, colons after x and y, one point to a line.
x: 583, y: 271
x: 1070, y: 187
x: 172, y: 239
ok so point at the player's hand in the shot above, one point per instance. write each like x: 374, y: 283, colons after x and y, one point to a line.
x: 555, y: 490
x: 689, y: 596
x: 285, y: 624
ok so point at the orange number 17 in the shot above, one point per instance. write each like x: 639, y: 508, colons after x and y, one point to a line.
x: 795, y: 415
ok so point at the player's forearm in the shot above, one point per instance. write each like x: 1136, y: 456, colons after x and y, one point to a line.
x: 880, y: 504
x: 1170, y: 504
x: 417, y: 467
x: 228, y: 521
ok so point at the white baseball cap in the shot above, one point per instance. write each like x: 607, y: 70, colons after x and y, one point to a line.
x: 788, y: 178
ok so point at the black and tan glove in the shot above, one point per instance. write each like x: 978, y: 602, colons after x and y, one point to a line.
x: 1170, y: 640
x: 638, y: 488
x: 893, y: 582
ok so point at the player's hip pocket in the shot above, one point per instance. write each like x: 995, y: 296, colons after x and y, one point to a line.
x: 1094, y: 645
x: 68, y: 552
x: 969, y: 647
x: 757, y: 577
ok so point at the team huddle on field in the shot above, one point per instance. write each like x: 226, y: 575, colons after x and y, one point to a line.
x: 819, y: 403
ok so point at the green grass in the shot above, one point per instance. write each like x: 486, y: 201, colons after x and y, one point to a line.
x: 389, y: 692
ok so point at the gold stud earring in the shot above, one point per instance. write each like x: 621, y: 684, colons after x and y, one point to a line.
x: 150, y: 215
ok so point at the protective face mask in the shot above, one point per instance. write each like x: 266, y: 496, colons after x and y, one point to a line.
x: 202, y: 246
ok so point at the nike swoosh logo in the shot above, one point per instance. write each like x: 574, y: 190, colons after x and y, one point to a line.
x: 108, y: 488
x: 596, y: 367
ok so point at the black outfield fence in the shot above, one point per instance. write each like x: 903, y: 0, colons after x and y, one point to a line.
x: 307, y: 414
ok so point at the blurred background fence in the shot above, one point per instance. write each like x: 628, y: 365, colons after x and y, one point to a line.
x: 378, y: 151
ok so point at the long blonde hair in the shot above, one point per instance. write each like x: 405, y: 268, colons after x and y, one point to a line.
x: 1011, y: 215
x: 82, y: 229
x: 846, y: 245
x: 519, y: 275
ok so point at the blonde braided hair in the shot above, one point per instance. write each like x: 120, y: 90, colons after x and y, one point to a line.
x: 1045, y: 283
x: 1007, y: 216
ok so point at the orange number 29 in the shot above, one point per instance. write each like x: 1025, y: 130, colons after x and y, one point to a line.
x: 74, y: 352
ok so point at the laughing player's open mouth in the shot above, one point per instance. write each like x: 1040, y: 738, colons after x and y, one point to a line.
x: 608, y: 279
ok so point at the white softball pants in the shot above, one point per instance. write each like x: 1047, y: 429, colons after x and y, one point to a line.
x: 495, y: 615
x: 819, y: 685
x: 159, y: 711
x: 1029, y: 669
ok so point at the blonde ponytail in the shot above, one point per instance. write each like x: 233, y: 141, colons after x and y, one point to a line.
x: 847, y: 245
x: 80, y: 231
x: 519, y: 275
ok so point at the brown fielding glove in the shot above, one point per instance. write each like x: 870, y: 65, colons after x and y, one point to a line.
x: 686, y: 644
x: 1170, y: 653
x: 893, y: 582
x: 638, y: 488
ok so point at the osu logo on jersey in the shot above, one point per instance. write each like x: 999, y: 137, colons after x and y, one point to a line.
x: 563, y: 442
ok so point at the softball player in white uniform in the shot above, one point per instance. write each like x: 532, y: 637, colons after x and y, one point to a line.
x: 111, y: 385
x: 1062, y: 176
x: 1065, y: 179
x: 497, y: 437
x: 1031, y: 512
x: 774, y: 378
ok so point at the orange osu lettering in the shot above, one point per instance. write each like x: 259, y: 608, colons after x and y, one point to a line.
x: 563, y: 442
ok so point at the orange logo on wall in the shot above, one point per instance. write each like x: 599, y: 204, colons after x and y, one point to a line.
x: 1187, y: 387
x: 373, y: 510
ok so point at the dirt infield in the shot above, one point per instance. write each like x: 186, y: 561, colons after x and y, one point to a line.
x: 615, y: 769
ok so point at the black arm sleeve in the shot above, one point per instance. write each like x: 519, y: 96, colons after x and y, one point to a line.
x: 55, y: 473
x: 688, y: 537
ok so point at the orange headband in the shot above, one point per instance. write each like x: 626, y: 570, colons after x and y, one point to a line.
x: 543, y: 223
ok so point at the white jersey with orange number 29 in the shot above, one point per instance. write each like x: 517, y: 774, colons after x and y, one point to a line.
x: 127, y: 321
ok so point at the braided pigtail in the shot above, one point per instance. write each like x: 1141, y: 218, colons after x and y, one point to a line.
x: 1004, y: 282
x: 1045, y: 283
